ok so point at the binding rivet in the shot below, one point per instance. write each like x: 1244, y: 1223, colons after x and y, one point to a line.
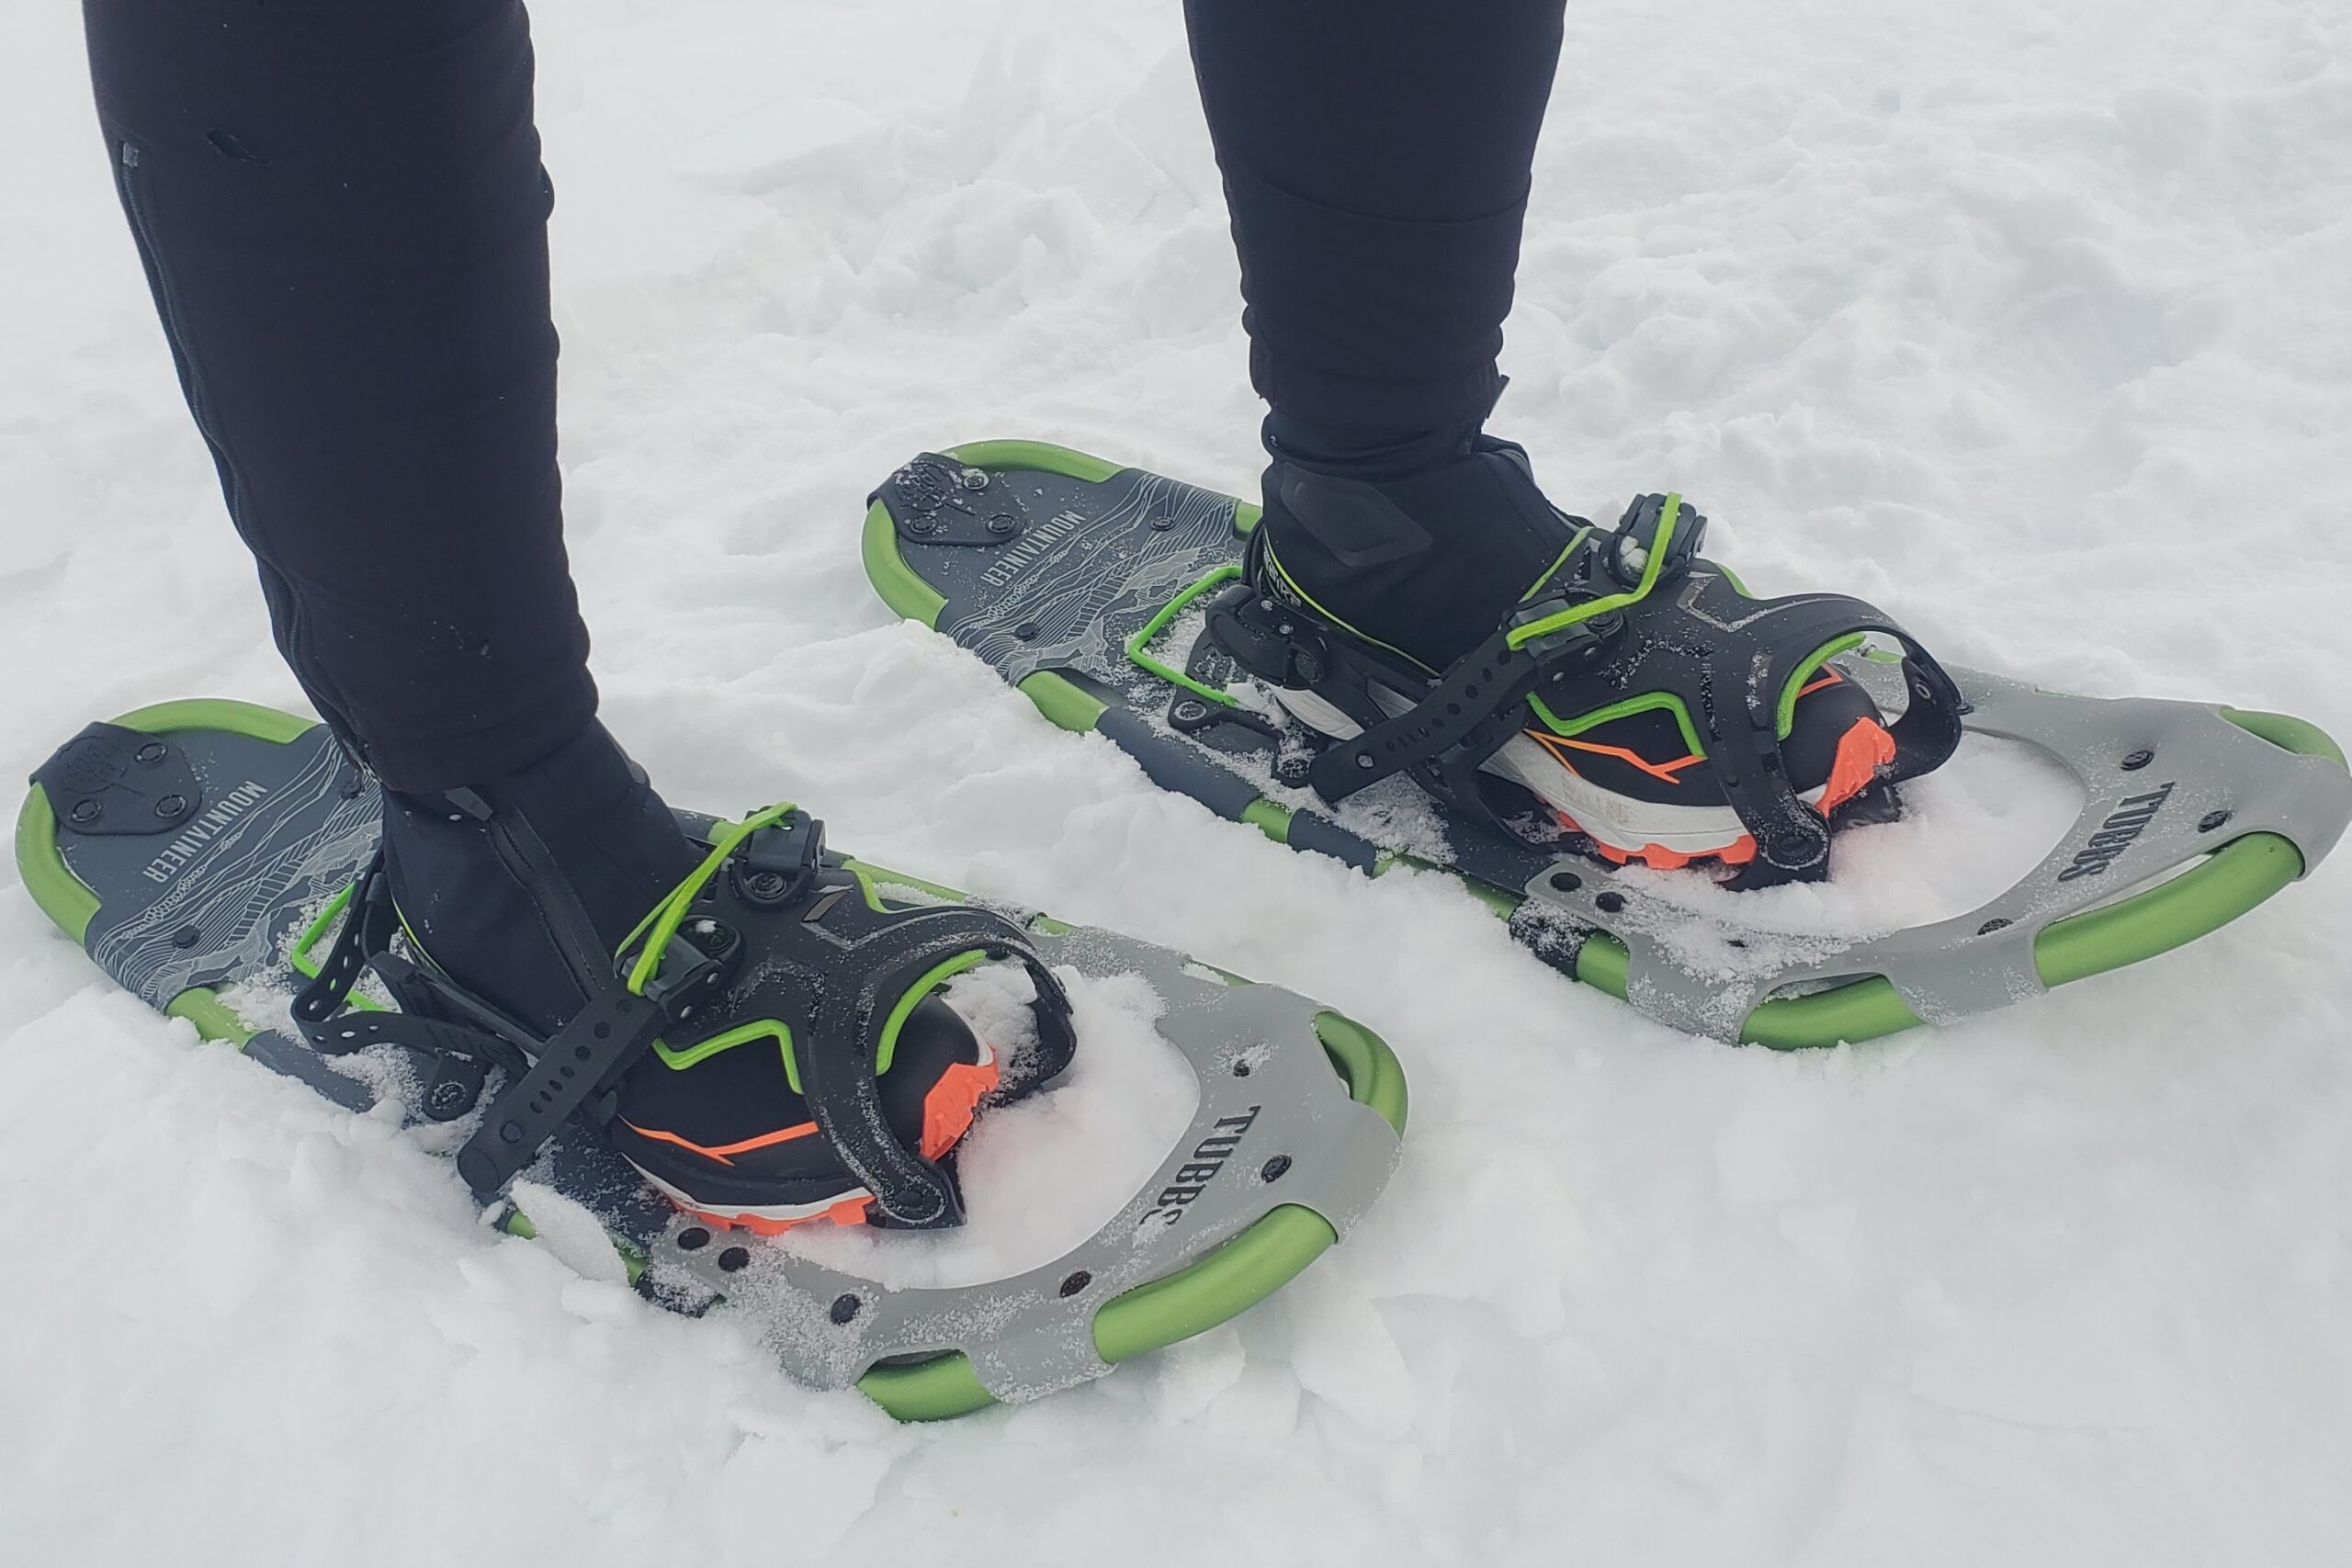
x: 2136, y: 761
x: 85, y: 811
x: 171, y: 806
x: 1189, y: 711
x: 844, y: 1308
x: 1004, y: 525
x: 151, y: 754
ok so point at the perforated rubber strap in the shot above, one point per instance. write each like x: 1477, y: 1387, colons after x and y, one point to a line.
x: 580, y: 1061
x: 1492, y: 677
x: 837, y: 1055
x: 322, y: 1012
x: 578, y: 1067
x: 367, y: 924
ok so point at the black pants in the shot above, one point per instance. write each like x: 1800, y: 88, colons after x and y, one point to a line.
x: 342, y: 211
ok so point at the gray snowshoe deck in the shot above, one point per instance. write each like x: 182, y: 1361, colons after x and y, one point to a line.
x: 193, y: 846
x: 1080, y: 581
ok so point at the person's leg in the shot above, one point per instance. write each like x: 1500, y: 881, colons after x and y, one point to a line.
x: 343, y: 219
x: 1376, y: 157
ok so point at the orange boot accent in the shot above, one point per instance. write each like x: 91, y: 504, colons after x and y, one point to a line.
x: 848, y: 1211
x: 947, y: 1112
x: 947, y: 1109
x: 1862, y: 751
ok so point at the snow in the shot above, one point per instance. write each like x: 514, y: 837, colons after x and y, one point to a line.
x: 2031, y: 323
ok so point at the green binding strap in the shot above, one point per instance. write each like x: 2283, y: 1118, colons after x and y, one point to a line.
x: 661, y: 925
x: 1787, y: 720
x: 1519, y: 636
x: 1150, y: 630
x: 661, y: 922
x: 938, y: 975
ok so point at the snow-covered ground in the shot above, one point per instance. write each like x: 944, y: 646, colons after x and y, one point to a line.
x: 2033, y: 322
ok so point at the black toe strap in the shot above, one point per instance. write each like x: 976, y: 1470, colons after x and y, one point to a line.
x: 861, y: 963
x: 1731, y: 660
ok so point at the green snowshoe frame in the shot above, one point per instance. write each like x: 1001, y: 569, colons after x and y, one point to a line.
x: 2151, y: 918
x: 1217, y: 1286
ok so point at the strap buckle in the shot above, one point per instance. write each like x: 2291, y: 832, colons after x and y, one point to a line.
x: 779, y: 864
x: 1625, y: 554
x: 702, y: 957
x: 1568, y: 649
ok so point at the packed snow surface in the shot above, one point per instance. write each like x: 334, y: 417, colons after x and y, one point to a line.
x: 2032, y: 322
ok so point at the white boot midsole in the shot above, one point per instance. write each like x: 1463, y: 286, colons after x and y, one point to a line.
x: 782, y: 1212
x: 1614, y: 819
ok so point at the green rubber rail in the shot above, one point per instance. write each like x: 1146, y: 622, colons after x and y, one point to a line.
x: 1213, y: 1289
x: 2232, y: 880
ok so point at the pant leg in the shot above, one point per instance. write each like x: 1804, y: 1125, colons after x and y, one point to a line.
x: 342, y: 215
x: 1376, y: 155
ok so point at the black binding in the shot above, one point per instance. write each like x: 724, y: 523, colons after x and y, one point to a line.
x: 813, y: 926
x: 836, y: 1050
x: 1728, y: 659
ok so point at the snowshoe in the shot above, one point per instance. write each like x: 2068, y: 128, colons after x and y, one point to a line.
x: 767, y: 1047
x: 1143, y: 608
